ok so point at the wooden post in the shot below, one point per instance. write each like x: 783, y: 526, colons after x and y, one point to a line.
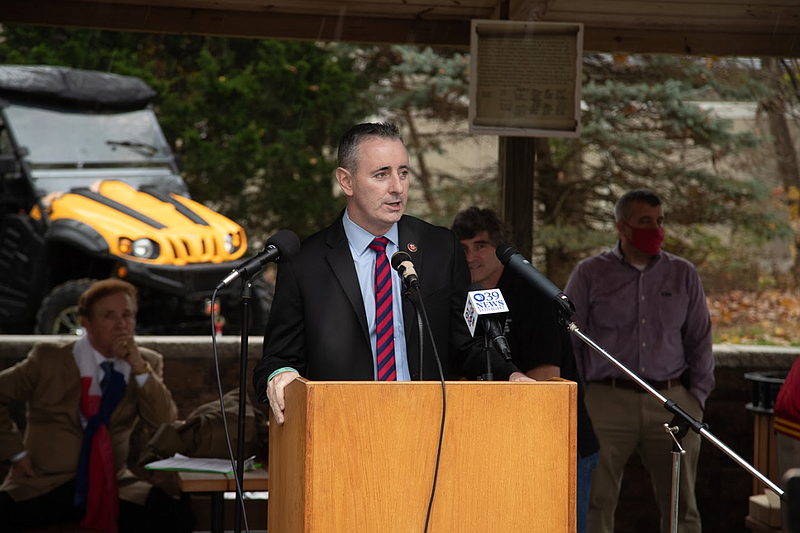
x: 516, y: 159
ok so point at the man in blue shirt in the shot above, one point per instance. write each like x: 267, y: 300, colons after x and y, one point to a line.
x: 322, y: 324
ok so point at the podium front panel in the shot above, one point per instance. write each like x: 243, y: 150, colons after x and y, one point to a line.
x: 360, y: 456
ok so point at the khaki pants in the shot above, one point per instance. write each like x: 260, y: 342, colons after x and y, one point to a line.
x: 627, y: 421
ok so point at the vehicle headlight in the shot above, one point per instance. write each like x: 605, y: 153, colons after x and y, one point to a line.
x: 232, y: 241
x: 145, y: 249
x: 141, y: 248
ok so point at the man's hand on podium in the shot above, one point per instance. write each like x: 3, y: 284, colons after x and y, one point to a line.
x: 275, y: 392
x: 279, y: 382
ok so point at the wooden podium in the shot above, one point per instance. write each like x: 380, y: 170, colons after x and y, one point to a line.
x: 360, y: 457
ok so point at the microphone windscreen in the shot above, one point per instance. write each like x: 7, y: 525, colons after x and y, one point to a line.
x: 399, y: 257
x: 504, y: 252
x: 286, y: 242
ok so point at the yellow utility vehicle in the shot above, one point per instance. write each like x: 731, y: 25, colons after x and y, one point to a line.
x: 90, y: 189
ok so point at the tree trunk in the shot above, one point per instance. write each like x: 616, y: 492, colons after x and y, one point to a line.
x: 423, y: 172
x: 561, y: 204
x: 785, y: 154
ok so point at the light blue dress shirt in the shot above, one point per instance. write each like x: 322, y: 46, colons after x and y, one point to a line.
x: 364, y: 261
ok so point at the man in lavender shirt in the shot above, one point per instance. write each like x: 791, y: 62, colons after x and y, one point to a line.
x: 647, y: 308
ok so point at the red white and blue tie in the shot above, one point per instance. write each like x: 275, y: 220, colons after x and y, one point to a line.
x: 384, y: 319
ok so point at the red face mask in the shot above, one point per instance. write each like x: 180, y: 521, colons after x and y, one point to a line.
x: 646, y: 240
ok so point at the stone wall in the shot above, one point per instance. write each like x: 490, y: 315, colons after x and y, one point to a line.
x: 723, y: 486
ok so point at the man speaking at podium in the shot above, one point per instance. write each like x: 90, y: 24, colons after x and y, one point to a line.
x: 338, y: 311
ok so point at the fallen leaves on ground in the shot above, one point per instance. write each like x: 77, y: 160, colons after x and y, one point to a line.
x: 766, y: 317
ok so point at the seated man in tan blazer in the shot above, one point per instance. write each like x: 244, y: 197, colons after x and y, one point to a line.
x: 81, y: 411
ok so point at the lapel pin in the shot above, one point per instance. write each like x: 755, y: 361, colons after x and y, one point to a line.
x: 412, y: 247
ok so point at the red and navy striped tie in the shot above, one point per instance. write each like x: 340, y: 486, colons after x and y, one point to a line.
x: 384, y: 319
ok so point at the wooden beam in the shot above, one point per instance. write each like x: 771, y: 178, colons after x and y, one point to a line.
x: 530, y: 10
x: 600, y: 34
x: 227, y: 23
x: 434, y: 9
x: 699, y: 15
x: 709, y: 43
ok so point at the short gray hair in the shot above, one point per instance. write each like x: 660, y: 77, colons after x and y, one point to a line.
x: 348, y: 145
x: 624, y: 206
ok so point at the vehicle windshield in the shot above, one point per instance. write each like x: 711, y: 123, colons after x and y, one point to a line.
x: 62, y: 139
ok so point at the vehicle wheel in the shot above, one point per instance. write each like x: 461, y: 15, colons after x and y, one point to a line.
x: 58, y: 314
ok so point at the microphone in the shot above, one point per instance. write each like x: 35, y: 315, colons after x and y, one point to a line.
x: 280, y: 247
x: 401, y: 262
x: 487, y: 307
x: 511, y: 258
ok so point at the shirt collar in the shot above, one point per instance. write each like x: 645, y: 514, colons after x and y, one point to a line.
x: 617, y: 251
x: 100, y: 358
x: 360, y: 239
x: 120, y: 365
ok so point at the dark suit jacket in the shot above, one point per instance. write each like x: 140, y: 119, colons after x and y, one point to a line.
x: 318, y: 324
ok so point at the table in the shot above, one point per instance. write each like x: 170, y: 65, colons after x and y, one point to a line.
x: 216, y: 485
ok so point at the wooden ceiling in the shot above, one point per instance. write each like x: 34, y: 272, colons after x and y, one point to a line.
x: 703, y: 27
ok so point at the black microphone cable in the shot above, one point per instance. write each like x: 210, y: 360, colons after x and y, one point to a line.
x: 444, y: 409
x: 408, y: 295
x: 282, y: 246
x: 416, y: 299
x: 222, y: 409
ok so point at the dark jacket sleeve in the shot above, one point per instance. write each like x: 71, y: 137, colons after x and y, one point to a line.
x: 284, y: 339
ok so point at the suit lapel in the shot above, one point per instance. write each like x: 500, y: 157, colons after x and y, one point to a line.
x: 69, y: 369
x: 70, y: 377
x: 341, y: 264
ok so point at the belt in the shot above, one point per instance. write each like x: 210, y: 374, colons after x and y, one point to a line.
x: 619, y: 383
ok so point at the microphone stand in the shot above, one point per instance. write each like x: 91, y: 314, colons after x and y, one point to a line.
x: 487, y: 349
x: 409, y: 295
x: 677, y: 428
x: 247, y: 292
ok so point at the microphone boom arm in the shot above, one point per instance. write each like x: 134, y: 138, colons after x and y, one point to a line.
x: 697, y: 426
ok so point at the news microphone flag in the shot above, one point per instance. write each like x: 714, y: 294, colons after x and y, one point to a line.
x: 483, y: 303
